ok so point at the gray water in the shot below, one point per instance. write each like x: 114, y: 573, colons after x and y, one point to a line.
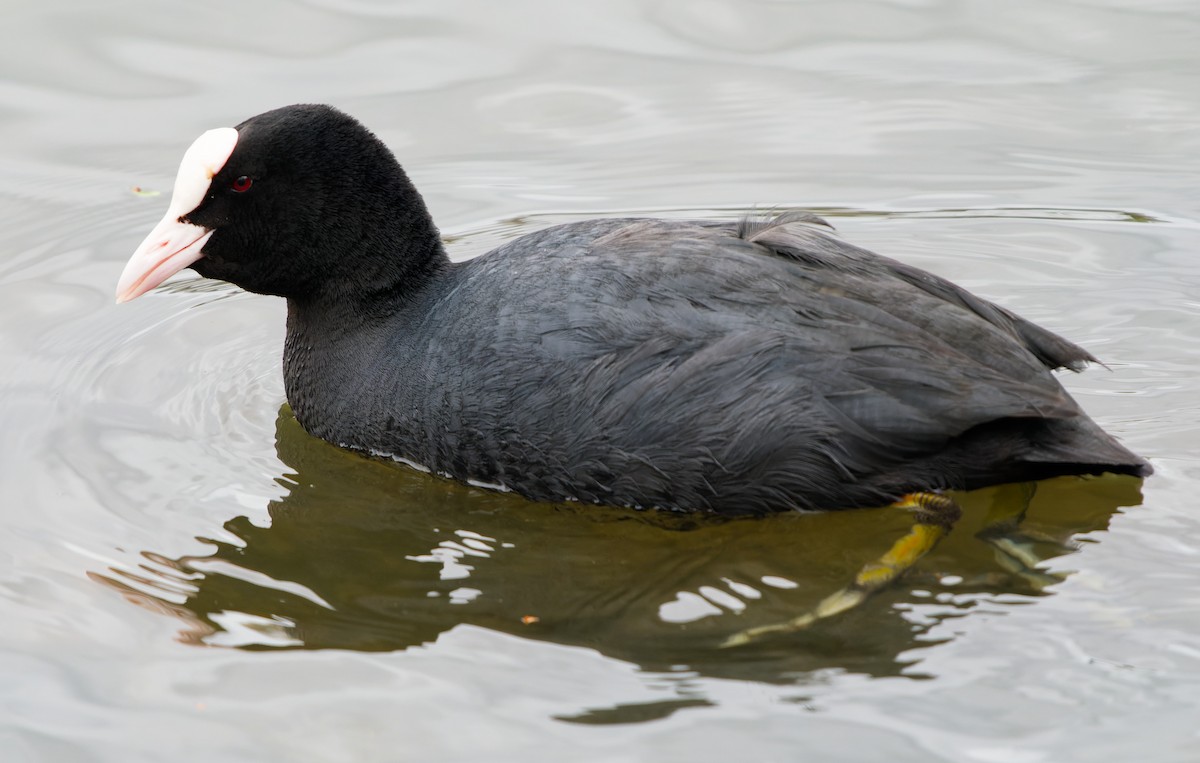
x: 186, y: 575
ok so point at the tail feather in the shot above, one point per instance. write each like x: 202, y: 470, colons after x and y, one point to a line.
x: 1080, y: 446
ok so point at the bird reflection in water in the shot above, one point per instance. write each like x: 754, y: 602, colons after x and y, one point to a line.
x: 369, y: 555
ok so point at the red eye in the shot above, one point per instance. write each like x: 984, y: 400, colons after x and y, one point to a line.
x: 242, y: 184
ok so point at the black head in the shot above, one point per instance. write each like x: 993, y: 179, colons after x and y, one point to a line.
x: 301, y: 202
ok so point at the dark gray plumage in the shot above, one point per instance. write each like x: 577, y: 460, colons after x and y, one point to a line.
x: 689, y: 365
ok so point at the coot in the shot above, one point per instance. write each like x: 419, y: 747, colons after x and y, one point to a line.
x: 678, y: 364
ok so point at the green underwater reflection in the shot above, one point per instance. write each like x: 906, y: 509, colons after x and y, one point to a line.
x: 365, y: 554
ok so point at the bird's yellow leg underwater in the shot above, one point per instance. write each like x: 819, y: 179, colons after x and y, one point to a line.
x: 935, y: 514
x: 1017, y: 548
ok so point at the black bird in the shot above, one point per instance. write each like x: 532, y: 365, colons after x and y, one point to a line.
x: 689, y: 365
